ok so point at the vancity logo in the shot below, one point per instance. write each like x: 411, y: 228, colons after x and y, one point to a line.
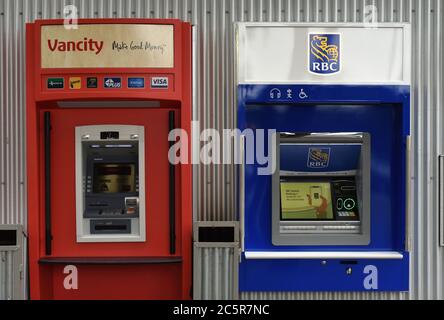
x: 85, y: 45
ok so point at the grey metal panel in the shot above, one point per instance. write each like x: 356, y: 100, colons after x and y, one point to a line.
x: 215, y: 264
x: 12, y: 267
x: 215, y: 272
x: 216, y: 100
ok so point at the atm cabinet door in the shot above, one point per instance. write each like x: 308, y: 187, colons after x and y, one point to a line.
x: 120, y: 162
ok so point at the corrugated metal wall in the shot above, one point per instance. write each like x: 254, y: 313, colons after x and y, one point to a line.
x: 215, y: 276
x: 215, y: 103
x: 5, y: 275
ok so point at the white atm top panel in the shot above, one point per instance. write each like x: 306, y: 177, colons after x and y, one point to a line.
x: 323, y: 53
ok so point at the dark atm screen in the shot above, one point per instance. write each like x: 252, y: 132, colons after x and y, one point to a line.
x: 114, y: 178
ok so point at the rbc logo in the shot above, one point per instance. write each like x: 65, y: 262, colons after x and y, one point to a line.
x: 318, y: 158
x: 325, y: 53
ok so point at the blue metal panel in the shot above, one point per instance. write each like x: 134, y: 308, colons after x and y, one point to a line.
x: 382, y: 111
x: 313, y: 275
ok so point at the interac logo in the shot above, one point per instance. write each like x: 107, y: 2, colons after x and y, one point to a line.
x: 318, y: 158
x: 325, y: 53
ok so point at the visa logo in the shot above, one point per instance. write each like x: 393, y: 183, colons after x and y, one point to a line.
x: 159, y: 82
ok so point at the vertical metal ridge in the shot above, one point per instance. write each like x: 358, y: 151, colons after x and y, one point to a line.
x: 2, y: 119
x: 440, y: 119
x: 431, y: 150
x: 409, y: 16
x: 420, y: 143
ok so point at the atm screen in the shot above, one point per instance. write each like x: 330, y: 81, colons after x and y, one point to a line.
x: 306, y: 201
x: 114, y: 178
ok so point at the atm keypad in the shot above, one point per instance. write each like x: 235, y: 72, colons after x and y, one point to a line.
x: 345, y: 199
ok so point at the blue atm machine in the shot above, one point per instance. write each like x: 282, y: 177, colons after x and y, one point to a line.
x: 329, y: 209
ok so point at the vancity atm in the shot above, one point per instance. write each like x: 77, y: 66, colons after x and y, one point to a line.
x: 109, y: 215
x: 333, y: 214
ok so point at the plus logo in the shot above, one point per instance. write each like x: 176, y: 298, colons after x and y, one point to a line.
x: 112, y: 83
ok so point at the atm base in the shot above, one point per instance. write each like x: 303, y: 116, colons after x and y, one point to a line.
x: 324, y: 275
x: 109, y: 281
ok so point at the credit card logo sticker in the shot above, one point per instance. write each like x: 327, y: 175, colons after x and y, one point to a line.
x: 318, y: 158
x: 55, y: 83
x: 112, y: 83
x: 136, y: 82
x: 325, y: 53
x: 159, y: 82
x: 91, y: 82
x: 75, y: 83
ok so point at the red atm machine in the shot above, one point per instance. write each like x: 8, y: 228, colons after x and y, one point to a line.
x: 109, y: 215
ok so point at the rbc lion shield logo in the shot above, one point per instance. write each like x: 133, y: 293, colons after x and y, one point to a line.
x: 325, y: 53
x: 318, y: 158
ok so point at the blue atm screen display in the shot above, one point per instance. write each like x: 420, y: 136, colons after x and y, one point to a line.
x: 306, y: 201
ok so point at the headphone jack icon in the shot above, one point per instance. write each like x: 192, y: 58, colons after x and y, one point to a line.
x: 302, y: 94
x: 275, y: 93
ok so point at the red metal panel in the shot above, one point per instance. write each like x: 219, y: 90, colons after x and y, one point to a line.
x: 127, y: 281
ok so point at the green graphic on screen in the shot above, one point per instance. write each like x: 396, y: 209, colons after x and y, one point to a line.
x: 306, y: 201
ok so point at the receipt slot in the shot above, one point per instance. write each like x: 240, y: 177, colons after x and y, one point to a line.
x: 109, y: 215
x: 331, y: 215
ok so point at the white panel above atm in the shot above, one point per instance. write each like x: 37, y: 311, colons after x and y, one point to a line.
x: 279, y: 53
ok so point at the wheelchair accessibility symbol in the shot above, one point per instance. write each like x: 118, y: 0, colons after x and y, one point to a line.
x: 303, y: 95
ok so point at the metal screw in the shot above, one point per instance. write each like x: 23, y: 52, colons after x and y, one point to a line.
x: 349, y: 271
x: 323, y: 262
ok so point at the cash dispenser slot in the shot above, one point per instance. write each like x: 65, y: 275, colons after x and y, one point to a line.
x: 110, y: 226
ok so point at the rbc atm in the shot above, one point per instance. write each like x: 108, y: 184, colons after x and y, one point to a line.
x: 109, y: 216
x: 332, y: 213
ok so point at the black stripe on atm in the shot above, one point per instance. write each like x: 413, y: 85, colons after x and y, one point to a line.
x: 110, y: 260
x: 172, y: 192
x: 48, y: 235
x: 8, y: 238
x: 216, y: 234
